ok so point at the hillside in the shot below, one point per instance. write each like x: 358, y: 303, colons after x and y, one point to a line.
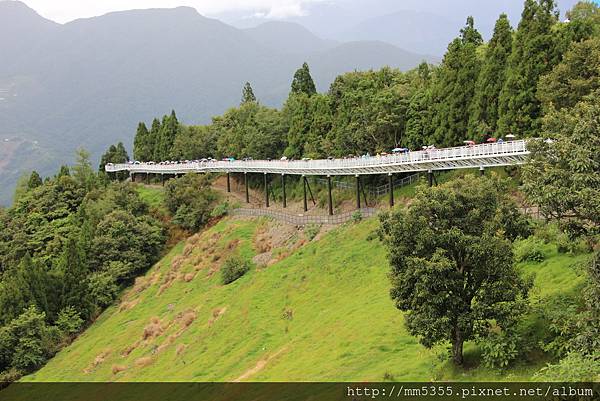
x: 277, y: 322
x: 89, y: 82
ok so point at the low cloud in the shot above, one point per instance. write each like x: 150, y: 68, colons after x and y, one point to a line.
x: 68, y: 10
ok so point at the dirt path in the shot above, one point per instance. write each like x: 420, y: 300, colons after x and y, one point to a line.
x: 260, y: 365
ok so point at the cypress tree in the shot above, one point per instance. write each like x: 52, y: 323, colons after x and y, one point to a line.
x: 484, y: 110
x: 303, y: 82
x: 535, y: 53
x: 154, y: 139
x: 34, y: 180
x: 248, y: 94
x: 74, y: 273
x: 142, y: 149
x: 455, y: 87
x: 168, y: 133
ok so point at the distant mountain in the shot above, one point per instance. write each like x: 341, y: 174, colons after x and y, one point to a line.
x: 89, y: 82
x: 422, y: 32
x: 288, y: 37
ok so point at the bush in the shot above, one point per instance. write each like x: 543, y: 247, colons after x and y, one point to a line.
x: 499, y: 349
x: 357, y: 216
x: 574, y: 367
x: 233, y: 269
x: 311, y: 231
x: 222, y: 209
x: 69, y: 321
x: 529, y: 250
x: 103, y: 288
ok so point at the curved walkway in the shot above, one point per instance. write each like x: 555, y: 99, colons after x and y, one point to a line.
x: 476, y: 156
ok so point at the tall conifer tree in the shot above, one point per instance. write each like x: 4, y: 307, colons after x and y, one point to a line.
x: 535, y: 53
x: 248, y: 94
x: 484, y: 110
x: 455, y: 87
x: 303, y: 82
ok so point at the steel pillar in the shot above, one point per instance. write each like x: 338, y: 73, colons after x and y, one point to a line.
x: 304, y: 187
x: 358, y: 192
x: 430, y: 177
x: 228, y: 183
x: 266, y: 191
x: 246, y: 185
x: 482, y: 170
x: 284, y: 194
x: 391, y: 184
x: 330, y: 197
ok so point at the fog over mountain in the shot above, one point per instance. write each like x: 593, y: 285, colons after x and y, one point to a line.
x: 89, y: 82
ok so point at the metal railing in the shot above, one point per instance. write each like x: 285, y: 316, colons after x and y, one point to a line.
x: 301, y: 220
x: 485, y: 154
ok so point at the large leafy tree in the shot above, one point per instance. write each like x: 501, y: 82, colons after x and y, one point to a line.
x: 563, y: 176
x: 484, y: 109
x: 195, y: 142
x: 451, y: 262
x: 535, y: 52
x: 251, y: 130
x: 190, y: 199
x: 455, y: 87
x: 575, y: 77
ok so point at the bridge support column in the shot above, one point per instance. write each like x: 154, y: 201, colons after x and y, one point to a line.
x: 430, y: 177
x: 246, y: 185
x: 391, y: 185
x: 304, y: 187
x: 357, y: 191
x: 330, y: 198
x: 266, y: 191
x: 482, y: 170
x: 284, y: 194
x: 228, y: 183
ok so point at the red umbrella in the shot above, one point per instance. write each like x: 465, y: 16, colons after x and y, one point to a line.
x: 491, y: 140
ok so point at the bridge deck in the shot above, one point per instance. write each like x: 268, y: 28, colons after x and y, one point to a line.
x: 477, y: 156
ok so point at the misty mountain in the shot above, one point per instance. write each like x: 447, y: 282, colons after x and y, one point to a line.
x: 408, y: 29
x: 288, y: 38
x: 89, y: 82
x: 435, y: 22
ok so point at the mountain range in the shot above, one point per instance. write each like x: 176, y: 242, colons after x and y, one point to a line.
x: 89, y: 82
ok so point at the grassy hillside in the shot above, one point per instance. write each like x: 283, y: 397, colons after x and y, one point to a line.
x: 311, y: 310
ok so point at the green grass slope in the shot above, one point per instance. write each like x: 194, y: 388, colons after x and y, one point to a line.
x: 320, y: 312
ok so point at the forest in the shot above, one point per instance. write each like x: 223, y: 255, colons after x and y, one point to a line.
x: 71, y: 242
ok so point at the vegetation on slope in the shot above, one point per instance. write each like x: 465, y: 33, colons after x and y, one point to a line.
x: 312, y: 311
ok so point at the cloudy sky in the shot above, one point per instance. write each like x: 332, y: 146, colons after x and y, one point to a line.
x: 68, y: 10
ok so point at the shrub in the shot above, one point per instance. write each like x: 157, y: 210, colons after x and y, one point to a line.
x: 357, y: 216
x: 103, y: 288
x: 499, y: 349
x: 69, y: 321
x: 311, y: 231
x: 233, y: 269
x: 222, y: 209
x: 529, y: 250
x: 573, y: 368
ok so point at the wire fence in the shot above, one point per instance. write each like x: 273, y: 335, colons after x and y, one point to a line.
x: 373, y: 191
x: 301, y: 220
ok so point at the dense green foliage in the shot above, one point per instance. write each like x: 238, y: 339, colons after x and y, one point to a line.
x: 190, y: 200
x: 67, y: 247
x: 480, y: 90
x: 452, y: 263
x: 234, y: 268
